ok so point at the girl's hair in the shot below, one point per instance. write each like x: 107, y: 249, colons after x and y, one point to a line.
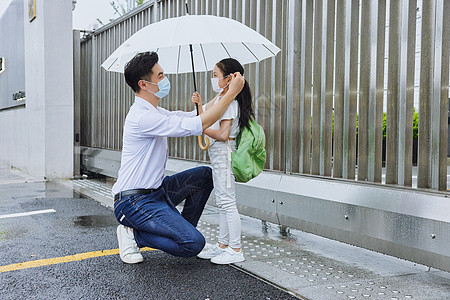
x: 229, y: 66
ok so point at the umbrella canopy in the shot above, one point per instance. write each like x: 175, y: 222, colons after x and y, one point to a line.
x: 212, y: 38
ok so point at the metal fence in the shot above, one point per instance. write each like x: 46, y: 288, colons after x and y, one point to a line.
x: 321, y: 99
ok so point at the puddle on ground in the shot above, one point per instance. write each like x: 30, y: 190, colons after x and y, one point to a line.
x: 56, y: 190
x: 95, y: 221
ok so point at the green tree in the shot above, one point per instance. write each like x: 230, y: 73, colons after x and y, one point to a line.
x: 119, y: 9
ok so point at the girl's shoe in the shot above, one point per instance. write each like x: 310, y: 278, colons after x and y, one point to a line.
x: 210, y: 252
x: 228, y: 256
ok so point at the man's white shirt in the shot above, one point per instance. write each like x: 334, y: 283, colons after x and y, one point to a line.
x: 144, y: 150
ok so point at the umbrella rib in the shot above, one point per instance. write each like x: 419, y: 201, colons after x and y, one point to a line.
x: 269, y: 50
x: 112, y: 63
x: 250, y: 51
x: 225, y: 49
x: 178, y: 63
x: 204, y: 58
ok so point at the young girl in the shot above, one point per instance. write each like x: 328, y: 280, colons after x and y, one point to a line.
x: 223, y: 135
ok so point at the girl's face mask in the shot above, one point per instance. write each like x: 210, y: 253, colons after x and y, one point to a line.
x: 215, y: 84
x: 164, y: 87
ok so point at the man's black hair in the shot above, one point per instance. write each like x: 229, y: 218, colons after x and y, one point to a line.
x: 140, y: 67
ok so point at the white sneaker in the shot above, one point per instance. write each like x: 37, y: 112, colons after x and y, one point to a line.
x: 210, y: 252
x: 228, y: 256
x: 208, y: 246
x: 128, y: 249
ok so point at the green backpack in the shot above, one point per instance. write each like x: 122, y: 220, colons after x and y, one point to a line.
x: 248, y: 160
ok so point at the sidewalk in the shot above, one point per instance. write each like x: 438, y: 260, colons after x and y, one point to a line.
x: 309, y: 266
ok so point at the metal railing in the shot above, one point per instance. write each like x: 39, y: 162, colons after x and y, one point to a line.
x: 344, y: 63
x: 321, y: 100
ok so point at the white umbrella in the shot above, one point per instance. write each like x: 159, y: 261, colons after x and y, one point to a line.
x: 212, y: 38
x: 193, y: 43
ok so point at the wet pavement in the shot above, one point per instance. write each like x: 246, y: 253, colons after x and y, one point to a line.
x: 66, y: 224
x: 74, y: 221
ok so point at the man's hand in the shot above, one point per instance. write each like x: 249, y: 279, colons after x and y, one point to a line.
x: 211, y: 115
x: 196, y: 99
x: 236, y: 84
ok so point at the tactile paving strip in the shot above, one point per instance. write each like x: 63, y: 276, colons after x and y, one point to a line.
x: 344, y: 281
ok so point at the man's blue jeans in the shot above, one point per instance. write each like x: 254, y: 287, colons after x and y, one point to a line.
x: 157, y: 223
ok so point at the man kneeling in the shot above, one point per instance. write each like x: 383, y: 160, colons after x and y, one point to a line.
x: 145, y: 200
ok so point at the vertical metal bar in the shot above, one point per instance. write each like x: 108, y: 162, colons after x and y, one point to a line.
x: 426, y: 93
x: 435, y: 106
x: 392, y: 126
x: 119, y: 85
x: 120, y: 89
x: 206, y: 89
x: 76, y: 101
x: 364, y: 92
x: 261, y: 96
x: 410, y: 68
x: 114, y: 88
x: 109, y: 90
x: 307, y: 89
x: 231, y: 9
x: 98, y: 128
x: 280, y: 79
x: 94, y: 97
x: 444, y: 87
x: 341, y: 8
x: 353, y: 89
x: 155, y: 11
x: 402, y: 107
x: 186, y: 85
x: 293, y: 109
x: 250, y: 20
x: 317, y: 89
x: 371, y: 126
x: 380, y: 60
x: 267, y: 106
x: 329, y: 91
x: 124, y: 90
x: 271, y: 106
x: 278, y: 35
x: 239, y: 10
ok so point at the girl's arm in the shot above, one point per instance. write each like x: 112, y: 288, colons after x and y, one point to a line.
x: 196, y: 99
x: 223, y: 133
x: 211, y: 102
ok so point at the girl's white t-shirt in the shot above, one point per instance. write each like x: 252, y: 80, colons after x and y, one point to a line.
x: 232, y: 113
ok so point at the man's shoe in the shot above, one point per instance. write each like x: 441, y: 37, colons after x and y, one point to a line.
x: 128, y: 249
x: 228, y: 256
x: 209, y: 252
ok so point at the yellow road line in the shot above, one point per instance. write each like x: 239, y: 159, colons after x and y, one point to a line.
x: 60, y: 260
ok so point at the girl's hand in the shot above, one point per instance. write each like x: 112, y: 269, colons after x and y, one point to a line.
x: 196, y: 99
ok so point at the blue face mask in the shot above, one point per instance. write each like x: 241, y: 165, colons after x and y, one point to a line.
x: 164, y: 87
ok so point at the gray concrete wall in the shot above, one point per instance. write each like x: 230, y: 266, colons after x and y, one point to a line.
x: 38, y: 137
x: 12, y: 77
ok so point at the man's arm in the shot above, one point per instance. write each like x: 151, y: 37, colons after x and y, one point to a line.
x: 223, y: 133
x: 211, y: 115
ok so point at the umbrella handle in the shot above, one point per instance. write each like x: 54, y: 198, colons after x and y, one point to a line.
x: 200, y: 143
